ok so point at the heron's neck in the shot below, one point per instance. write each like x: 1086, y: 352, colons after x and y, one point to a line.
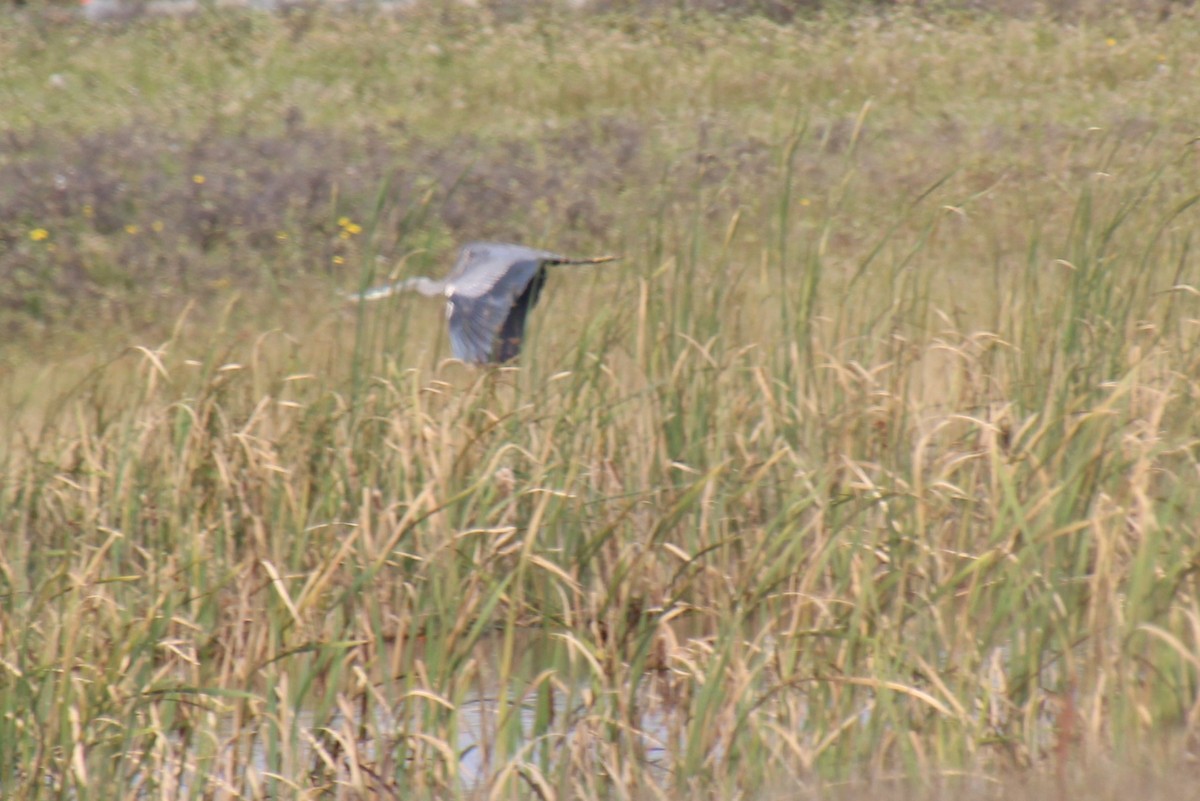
x: 423, y: 285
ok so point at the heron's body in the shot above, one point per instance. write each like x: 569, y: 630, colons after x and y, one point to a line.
x: 489, y: 293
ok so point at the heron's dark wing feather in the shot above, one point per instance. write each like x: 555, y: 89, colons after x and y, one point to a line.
x: 512, y: 333
x: 475, y: 321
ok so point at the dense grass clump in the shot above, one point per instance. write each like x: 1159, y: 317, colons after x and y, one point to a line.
x: 868, y: 470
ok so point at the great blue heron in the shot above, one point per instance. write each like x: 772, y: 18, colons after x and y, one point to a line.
x: 489, y: 292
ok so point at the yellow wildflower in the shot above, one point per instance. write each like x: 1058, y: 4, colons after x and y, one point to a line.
x: 338, y: 260
x: 39, y: 234
x: 198, y: 178
x: 131, y: 229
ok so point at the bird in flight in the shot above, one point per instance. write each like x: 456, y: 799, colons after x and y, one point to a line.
x: 489, y: 293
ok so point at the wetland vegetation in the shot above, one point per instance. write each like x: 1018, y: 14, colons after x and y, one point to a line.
x: 869, y: 471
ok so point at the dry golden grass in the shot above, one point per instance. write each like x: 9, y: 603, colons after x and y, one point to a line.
x: 867, y: 471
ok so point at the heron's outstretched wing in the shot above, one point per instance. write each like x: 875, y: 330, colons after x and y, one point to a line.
x: 481, y: 266
x: 480, y: 306
x: 490, y: 290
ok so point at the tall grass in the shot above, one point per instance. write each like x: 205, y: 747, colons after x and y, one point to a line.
x: 866, y: 464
